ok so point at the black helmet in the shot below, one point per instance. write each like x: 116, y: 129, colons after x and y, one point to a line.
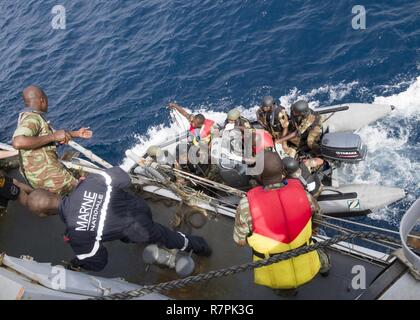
x: 300, y: 107
x: 290, y: 165
x: 268, y: 102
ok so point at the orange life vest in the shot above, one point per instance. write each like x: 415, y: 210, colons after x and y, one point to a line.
x: 202, y: 134
x: 281, y: 220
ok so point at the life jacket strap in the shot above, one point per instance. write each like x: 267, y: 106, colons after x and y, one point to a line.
x: 264, y: 256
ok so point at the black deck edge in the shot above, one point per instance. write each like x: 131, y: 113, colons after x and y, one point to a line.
x: 384, y: 280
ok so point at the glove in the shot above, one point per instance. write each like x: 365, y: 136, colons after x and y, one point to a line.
x: 198, y: 246
x: 69, y: 266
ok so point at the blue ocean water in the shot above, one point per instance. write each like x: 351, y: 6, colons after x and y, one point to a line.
x: 118, y: 63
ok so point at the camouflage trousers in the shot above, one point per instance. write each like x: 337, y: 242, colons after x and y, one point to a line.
x: 213, y: 173
x: 312, y: 142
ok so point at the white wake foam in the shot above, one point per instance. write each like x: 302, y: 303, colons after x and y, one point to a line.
x: 407, y: 102
x: 391, y: 159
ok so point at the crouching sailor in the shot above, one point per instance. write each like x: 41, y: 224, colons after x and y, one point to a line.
x: 275, y: 218
x: 101, y: 210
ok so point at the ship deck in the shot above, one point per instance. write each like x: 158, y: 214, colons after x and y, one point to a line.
x: 23, y: 233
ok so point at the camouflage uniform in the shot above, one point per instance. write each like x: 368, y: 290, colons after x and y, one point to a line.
x: 309, y: 129
x: 298, y: 175
x: 274, y: 127
x: 41, y: 167
x: 243, y: 218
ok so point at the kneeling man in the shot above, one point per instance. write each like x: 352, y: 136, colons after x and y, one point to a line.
x: 100, y: 210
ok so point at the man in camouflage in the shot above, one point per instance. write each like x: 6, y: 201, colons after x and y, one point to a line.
x: 36, y: 142
x: 306, y: 127
x: 243, y: 219
x: 272, y: 178
x: 234, y: 119
x: 273, y: 118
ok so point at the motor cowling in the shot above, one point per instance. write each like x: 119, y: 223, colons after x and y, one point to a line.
x: 343, y: 146
x: 227, y: 151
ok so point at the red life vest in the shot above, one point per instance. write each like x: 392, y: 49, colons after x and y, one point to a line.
x: 280, y: 214
x: 204, y: 133
x: 263, y: 140
x: 281, y: 221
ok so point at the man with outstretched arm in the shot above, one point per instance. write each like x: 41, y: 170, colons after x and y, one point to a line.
x: 201, y: 129
x: 36, y: 142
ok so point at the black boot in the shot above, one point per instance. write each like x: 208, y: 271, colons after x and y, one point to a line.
x: 325, y: 263
x: 287, y: 293
x: 198, y: 246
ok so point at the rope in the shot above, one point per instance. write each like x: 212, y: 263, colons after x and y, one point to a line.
x: 180, y: 283
x: 382, y: 243
x: 367, y: 226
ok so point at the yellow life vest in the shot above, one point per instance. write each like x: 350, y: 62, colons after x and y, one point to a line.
x: 281, y: 221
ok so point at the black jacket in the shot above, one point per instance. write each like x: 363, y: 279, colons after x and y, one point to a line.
x: 99, y: 210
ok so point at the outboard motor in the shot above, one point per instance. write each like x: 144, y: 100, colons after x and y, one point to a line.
x: 233, y: 174
x: 343, y: 146
x: 229, y: 160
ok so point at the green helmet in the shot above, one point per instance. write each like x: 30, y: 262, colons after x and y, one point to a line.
x: 233, y: 115
x: 154, y: 151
